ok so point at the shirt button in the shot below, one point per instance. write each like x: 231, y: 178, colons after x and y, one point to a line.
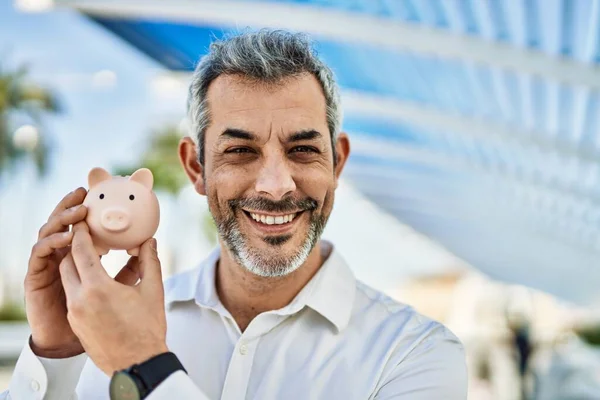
x: 35, y: 385
x: 243, y: 349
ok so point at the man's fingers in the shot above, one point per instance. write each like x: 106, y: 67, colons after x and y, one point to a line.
x: 150, y: 269
x: 85, y: 256
x: 69, y: 276
x: 45, y: 247
x: 60, y: 222
x: 130, y: 273
x: 72, y: 199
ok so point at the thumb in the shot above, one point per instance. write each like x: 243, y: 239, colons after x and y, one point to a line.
x: 149, y: 265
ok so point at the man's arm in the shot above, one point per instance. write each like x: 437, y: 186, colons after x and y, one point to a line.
x: 56, y: 379
x: 435, y: 369
x: 52, y: 378
x: 44, y: 378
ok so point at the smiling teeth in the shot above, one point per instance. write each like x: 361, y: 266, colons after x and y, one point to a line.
x: 271, y: 220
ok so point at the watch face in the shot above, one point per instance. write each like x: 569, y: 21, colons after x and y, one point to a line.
x: 123, y: 387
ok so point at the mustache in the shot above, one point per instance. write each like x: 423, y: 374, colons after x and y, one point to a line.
x: 285, y: 205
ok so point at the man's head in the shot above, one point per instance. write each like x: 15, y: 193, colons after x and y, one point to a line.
x: 266, y: 148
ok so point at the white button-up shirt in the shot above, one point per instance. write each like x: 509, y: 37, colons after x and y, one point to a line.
x: 338, y: 339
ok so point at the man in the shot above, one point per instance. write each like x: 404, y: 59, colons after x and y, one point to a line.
x: 274, y: 313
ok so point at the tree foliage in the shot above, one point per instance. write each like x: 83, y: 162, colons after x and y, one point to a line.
x: 21, y: 97
x: 161, y: 157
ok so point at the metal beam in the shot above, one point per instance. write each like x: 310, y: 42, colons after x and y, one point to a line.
x: 481, y: 129
x: 493, y: 212
x: 353, y: 28
x: 564, y: 198
x: 460, y: 204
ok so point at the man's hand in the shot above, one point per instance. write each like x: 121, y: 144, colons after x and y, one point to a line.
x: 118, y: 325
x: 45, y: 303
x: 51, y: 335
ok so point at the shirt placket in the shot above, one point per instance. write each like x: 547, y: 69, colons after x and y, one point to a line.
x: 240, y: 365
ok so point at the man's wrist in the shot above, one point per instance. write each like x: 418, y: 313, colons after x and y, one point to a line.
x: 67, y: 351
x: 135, y: 356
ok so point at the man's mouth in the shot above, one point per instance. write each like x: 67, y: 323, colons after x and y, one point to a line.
x: 273, y: 224
x: 272, y: 219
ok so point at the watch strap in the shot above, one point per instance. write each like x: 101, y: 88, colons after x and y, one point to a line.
x: 155, y: 370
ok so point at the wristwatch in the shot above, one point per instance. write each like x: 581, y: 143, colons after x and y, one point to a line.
x: 137, y: 381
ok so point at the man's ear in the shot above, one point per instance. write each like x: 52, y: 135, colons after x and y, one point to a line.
x: 342, y: 148
x: 188, y: 157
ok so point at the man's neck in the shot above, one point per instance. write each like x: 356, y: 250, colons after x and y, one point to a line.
x: 246, y: 295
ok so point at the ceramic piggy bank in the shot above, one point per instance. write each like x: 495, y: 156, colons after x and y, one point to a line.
x: 123, y: 212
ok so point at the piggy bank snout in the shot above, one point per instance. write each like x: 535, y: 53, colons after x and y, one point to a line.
x: 115, y: 219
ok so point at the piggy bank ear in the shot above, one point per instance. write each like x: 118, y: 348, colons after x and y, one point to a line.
x: 97, y: 175
x: 143, y: 176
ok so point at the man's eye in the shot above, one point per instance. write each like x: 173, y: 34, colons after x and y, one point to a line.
x: 304, y: 149
x: 238, y: 150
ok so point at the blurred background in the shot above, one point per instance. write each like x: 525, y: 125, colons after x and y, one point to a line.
x: 471, y: 192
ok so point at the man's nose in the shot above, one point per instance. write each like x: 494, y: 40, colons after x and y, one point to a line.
x: 275, y: 179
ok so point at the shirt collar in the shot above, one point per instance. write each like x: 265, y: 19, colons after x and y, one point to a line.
x: 330, y: 292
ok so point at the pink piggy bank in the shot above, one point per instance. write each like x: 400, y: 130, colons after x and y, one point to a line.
x: 123, y: 211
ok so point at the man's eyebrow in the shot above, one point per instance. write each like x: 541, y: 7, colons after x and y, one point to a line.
x: 309, y: 134
x: 234, y: 133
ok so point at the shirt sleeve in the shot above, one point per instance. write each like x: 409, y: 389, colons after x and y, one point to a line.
x: 44, y: 378
x: 177, y: 386
x: 435, y: 369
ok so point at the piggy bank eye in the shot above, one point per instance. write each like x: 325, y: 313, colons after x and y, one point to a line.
x: 101, y: 196
x: 131, y: 197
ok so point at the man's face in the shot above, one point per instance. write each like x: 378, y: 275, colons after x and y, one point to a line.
x: 269, y: 170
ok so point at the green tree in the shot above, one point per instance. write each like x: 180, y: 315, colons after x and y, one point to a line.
x: 21, y: 97
x: 161, y: 157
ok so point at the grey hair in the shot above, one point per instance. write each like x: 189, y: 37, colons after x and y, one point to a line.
x: 264, y: 56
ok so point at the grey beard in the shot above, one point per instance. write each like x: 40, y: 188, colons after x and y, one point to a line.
x: 267, y: 265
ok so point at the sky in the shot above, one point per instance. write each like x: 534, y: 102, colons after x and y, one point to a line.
x: 114, y: 96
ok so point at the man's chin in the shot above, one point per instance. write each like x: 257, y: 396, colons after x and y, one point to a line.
x: 271, y: 248
x: 278, y: 240
x: 260, y: 256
